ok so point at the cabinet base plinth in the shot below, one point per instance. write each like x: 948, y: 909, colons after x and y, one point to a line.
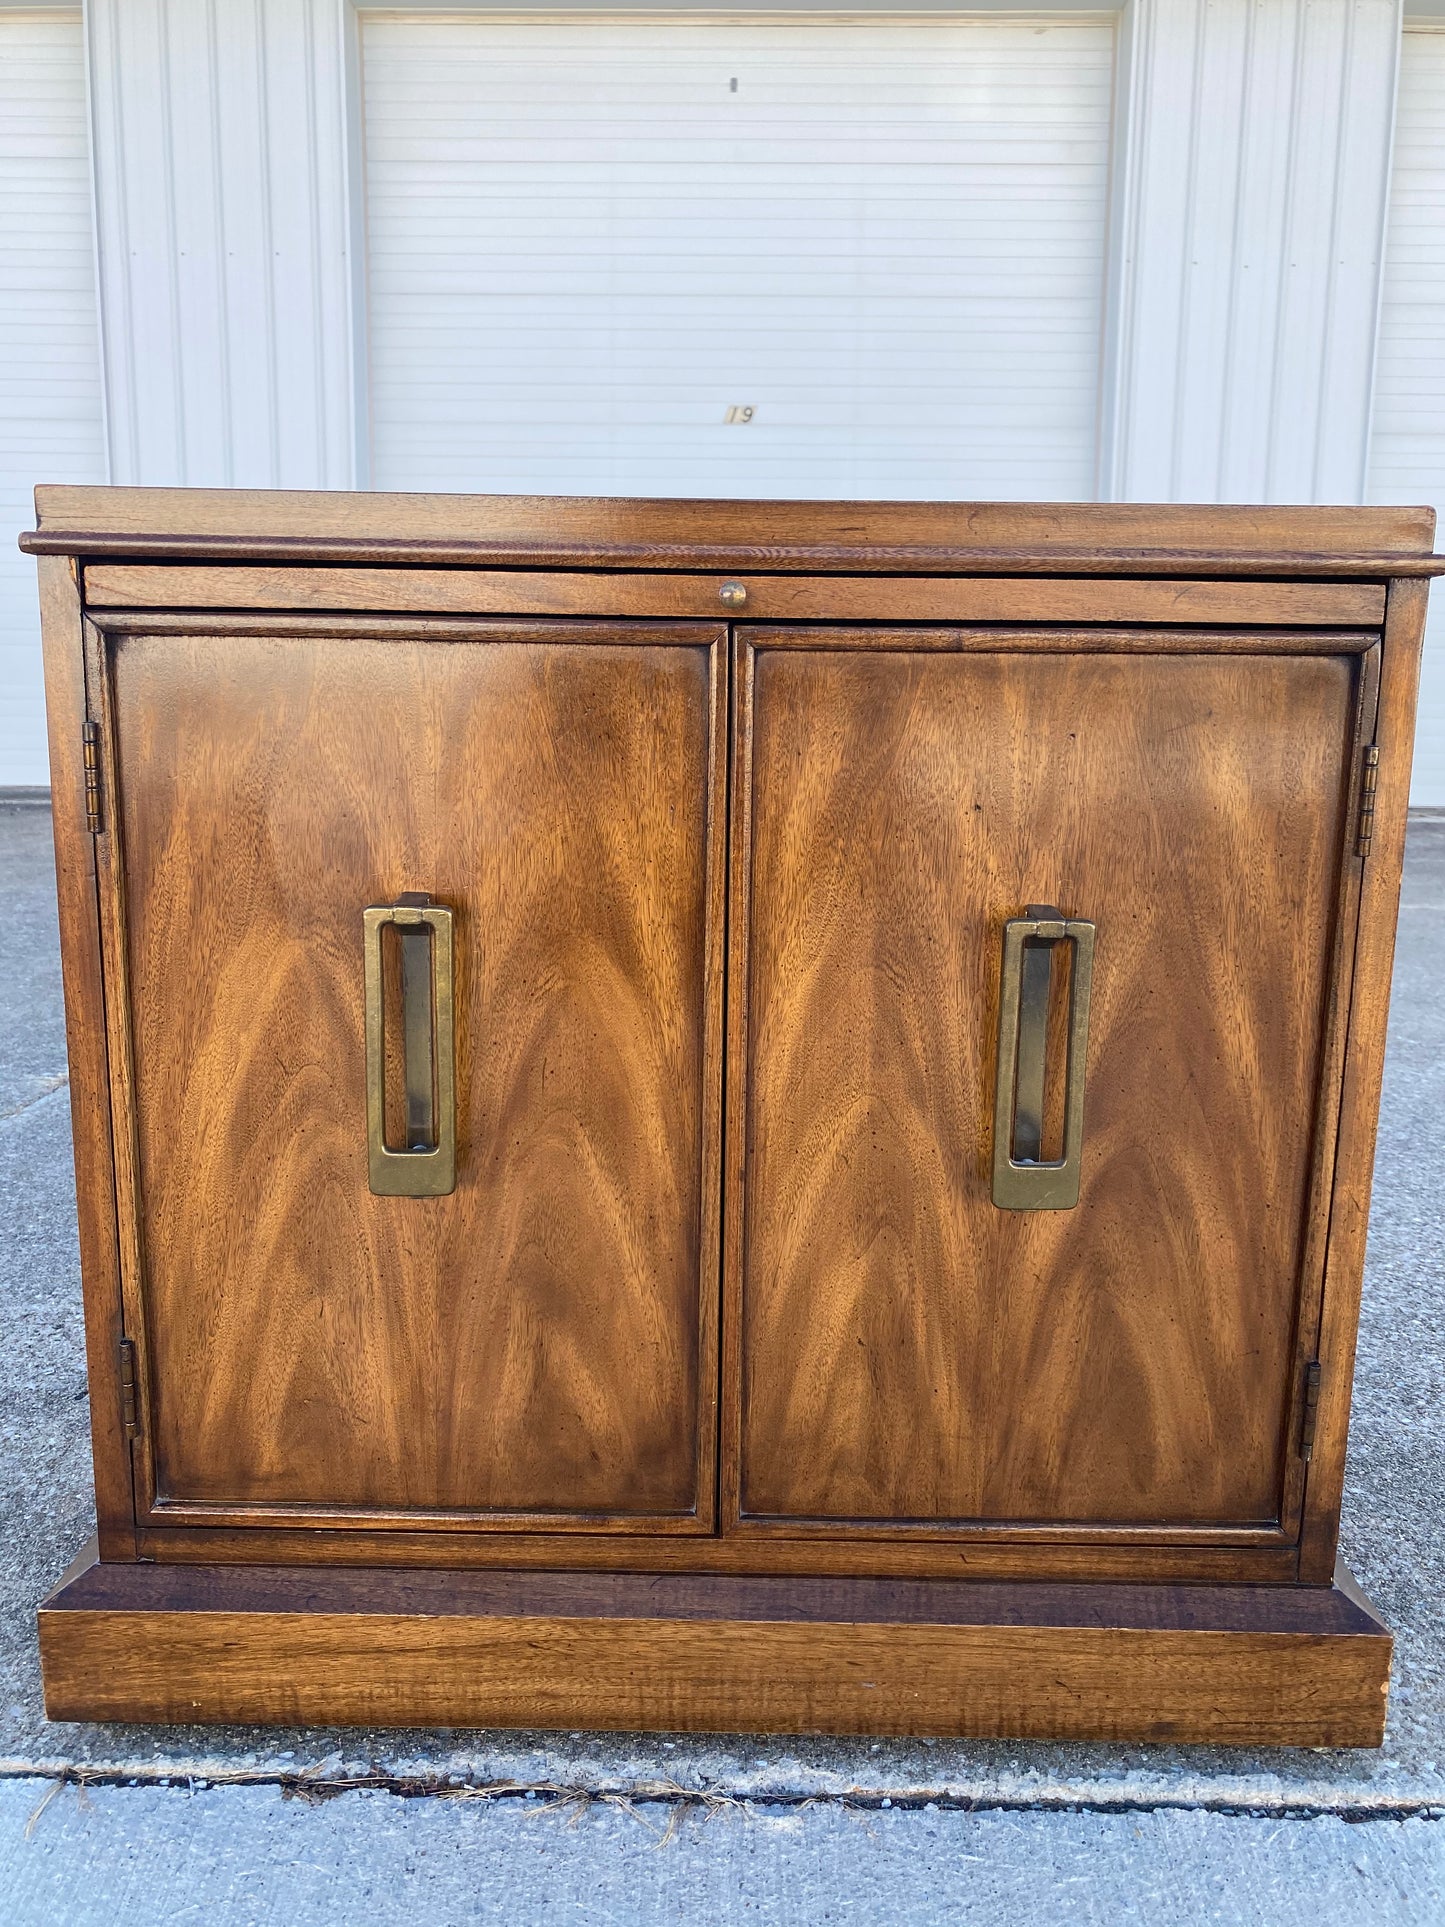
x: 1235, y: 1665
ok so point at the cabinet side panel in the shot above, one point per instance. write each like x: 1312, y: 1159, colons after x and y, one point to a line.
x: 65, y: 701
x: 1364, y: 1067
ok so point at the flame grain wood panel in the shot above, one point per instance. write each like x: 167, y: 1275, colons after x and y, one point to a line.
x: 538, y: 1341
x: 908, y: 1350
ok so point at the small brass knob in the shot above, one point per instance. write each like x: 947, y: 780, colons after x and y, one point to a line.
x: 733, y: 595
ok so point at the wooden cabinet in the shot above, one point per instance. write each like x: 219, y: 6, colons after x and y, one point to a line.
x: 721, y: 1114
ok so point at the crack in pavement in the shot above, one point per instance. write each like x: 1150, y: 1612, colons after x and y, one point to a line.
x: 56, y: 1081
x: 1240, y: 1803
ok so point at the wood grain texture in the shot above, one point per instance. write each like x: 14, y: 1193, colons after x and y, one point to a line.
x: 769, y: 598
x: 814, y: 536
x: 1240, y: 1666
x: 125, y: 1202
x: 1112, y: 638
x: 85, y: 1039
x: 902, y: 1352
x: 1333, y: 1059
x: 1353, y: 1174
x: 1177, y: 1559
x: 542, y: 1340
x: 1036, y: 637
x: 351, y: 627
x: 92, y: 1585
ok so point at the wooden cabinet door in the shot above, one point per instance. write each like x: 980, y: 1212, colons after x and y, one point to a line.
x: 903, y: 1354
x: 539, y: 1345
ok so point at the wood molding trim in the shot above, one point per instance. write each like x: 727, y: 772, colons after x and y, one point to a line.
x: 1018, y: 538
x: 468, y: 1550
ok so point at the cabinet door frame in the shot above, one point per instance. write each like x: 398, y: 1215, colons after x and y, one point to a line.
x: 131, y: 1462
x: 1347, y: 1051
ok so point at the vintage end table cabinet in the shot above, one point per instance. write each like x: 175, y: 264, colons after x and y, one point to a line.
x: 724, y: 1115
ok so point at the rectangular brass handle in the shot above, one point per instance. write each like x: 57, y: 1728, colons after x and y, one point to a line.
x: 426, y: 1165
x: 1022, y: 1180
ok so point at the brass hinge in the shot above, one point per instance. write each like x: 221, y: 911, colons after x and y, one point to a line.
x: 90, y: 751
x: 1368, y: 780
x: 1312, y: 1408
x: 129, y: 1412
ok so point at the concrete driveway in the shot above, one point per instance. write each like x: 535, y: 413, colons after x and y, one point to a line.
x: 121, y: 1824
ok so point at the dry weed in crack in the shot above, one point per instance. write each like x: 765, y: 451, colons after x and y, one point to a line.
x: 675, y: 1817
x: 542, y: 1796
x: 570, y: 1802
x: 680, y: 1801
x: 574, y: 1803
x: 82, y: 1799
x: 45, y: 1799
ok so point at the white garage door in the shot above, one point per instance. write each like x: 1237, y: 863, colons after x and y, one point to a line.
x: 50, y: 410
x: 1408, y: 451
x: 733, y: 258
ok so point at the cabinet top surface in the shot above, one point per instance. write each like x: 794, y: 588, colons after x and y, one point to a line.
x: 808, y: 537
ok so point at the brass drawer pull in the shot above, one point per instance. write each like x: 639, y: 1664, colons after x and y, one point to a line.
x: 1022, y: 1179
x: 426, y: 1165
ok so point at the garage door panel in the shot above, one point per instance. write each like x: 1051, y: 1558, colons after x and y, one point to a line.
x: 50, y: 407
x: 586, y: 244
x: 1407, y: 456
